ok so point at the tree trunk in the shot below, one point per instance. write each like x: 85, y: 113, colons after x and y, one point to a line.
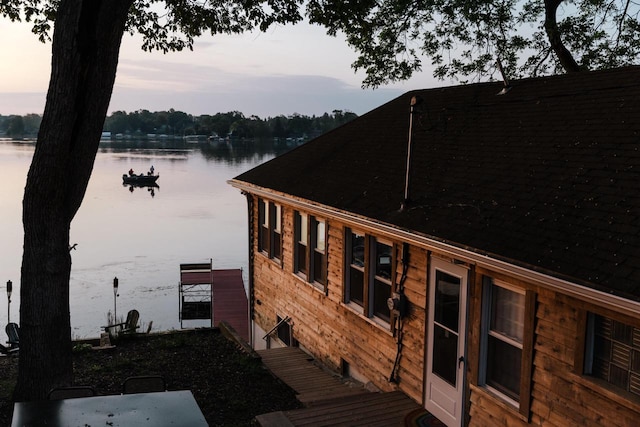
x: 553, y: 33
x: 86, y: 44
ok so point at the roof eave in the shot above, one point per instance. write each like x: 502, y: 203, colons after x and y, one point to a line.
x: 567, y: 287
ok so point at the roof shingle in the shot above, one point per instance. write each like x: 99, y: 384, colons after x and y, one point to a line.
x: 546, y: 176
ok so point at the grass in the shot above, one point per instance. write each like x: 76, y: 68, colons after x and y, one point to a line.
x: 230, y: 386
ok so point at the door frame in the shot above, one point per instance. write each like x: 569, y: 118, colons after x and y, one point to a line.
x: 440, y: 397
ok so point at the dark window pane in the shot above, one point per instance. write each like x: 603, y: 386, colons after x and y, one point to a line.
x: 319, y: 267
x: 301, y: 258
x: 356, y: 283
x: 381, y: 293
x: 635, y: 362
x: 619, y: 376
x: 445, y: 354
x: 602, y: 348
x: 277, y: 246
x: 447, y: 300
x: 301, y: 237
x: 622, y: 333
x: 264, y: 239
x: 503, y: 367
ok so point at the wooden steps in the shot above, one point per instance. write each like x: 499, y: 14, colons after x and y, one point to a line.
x: 365, y: 409
x: 329, y: 399
x: 311, y: 382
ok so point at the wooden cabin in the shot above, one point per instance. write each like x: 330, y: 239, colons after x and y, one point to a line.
x: 476, y: 247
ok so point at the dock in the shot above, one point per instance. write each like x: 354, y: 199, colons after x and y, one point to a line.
x: 215, y: 295
x: 230, y: 301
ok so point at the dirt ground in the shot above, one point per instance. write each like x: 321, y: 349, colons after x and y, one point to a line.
x: 230, y: 387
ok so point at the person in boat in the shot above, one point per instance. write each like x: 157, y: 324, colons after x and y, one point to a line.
x: 151, y: 170
x: 131, y: 172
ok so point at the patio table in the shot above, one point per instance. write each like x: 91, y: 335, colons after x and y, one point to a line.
x: 161, y: 409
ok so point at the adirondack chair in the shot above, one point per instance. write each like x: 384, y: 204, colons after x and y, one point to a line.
x: 129, y: 326
x: 13, y: 332
x: 8, y: 350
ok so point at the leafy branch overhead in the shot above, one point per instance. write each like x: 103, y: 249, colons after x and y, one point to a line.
x: 462, y: 39
x: 466, y: 39
x: 170, y: 25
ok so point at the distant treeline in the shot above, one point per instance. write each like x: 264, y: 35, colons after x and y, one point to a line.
x: 234, y: 124
x: 20, y: 126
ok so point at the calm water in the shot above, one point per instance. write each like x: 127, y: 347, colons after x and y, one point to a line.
x: 137, y: 236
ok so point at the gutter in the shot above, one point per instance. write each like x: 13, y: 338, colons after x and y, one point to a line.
x: 579, y: 292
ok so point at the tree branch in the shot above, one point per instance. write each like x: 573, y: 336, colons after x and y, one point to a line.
x: 621, y: 23
x: 553, y: 33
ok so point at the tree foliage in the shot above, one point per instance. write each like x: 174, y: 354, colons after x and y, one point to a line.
x: 169, y: 25
x: 86, y: 37
x: 466, y: 39
x: 232, y: 123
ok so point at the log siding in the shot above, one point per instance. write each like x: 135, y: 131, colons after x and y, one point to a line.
x: 557, y: 393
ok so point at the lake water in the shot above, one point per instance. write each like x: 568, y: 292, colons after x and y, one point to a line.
x: 134, y: 234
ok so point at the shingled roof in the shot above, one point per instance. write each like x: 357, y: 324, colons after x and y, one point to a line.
x: 546, y: 176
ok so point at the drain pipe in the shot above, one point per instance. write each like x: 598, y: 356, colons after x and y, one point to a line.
x: 415, y: 100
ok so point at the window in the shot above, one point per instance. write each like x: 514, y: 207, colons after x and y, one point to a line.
x: 310, y: 258
x: 368, y: 276
x: 302, y: 245
x: 285, y: 331
x: 319, y: 258
x: 613, y: 352
x: 355, y: 261
x: 381, y: 280
x: 507, y: 342
x: 270, y: 230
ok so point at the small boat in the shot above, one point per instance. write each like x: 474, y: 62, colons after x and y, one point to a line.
x: 140, y: 179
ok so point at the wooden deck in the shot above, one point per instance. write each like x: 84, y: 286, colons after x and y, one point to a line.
x: 330, y: 400
x: 230, y: 301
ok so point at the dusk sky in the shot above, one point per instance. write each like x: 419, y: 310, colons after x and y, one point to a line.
x: 292, y: 69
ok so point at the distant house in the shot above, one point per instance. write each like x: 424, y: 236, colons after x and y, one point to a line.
x: 475, y: 247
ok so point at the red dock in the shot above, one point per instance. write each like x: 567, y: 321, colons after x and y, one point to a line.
x: 230, y: 301
x: 218, y: 295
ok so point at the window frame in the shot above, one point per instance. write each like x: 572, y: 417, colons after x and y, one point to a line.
x: 586, y: 350
x: 368, y: 271
x: 523, y: 401
x: 350, y: 264
x: 315, y: 261
x: 270, y: 229
x: 301, y: 239
x: 374, y: 278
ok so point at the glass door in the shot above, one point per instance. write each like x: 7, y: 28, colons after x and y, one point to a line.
x: 446, y: 341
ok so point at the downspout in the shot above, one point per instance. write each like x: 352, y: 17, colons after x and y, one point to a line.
x: 251, y: 265
x: 415, y: 100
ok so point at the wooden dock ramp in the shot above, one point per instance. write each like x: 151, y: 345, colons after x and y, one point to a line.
x: 230, y: 301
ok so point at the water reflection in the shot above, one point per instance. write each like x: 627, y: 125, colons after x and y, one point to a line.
x: 230, y: 151
x: 142, y: 240
x: 151, y: 188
